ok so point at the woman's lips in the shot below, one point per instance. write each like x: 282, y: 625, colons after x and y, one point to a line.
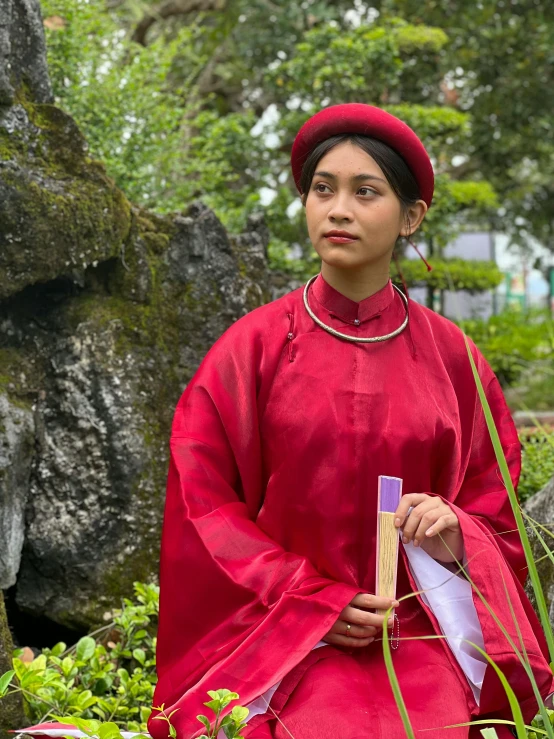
x: 340, y: 239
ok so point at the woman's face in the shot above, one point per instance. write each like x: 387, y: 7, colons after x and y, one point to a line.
x: 349, y: 192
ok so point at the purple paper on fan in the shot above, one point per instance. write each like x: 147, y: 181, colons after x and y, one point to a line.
x: 390, y: 492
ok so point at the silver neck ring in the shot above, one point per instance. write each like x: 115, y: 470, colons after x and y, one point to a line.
x: 346, y: 337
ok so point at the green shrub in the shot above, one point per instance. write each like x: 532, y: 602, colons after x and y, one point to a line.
x: 513, y: 340
x: 110, y: 678
x: 538, y: 723
x: 537, y: 461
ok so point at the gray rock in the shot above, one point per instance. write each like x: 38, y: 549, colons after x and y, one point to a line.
x: 16, y: 455
x: 111, y: 370
x: 23, y: 51
x: 106, y: 311
x: 540, y: 508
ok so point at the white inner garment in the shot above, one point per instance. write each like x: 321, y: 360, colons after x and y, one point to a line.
x: 450, y: 599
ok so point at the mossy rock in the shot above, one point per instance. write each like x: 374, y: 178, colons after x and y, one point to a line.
x: 59, y: 210
x: 120, y: 352
x: 109, y: 311
x: 540, y: 507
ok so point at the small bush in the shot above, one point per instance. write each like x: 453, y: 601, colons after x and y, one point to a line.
x: 110, y: 678
x: 513, y: 340
x: 537, y: 461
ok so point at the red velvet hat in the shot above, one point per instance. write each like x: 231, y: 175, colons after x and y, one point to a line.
x: 370, y: 121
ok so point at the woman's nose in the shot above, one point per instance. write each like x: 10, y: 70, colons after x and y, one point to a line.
x: 340, y: 210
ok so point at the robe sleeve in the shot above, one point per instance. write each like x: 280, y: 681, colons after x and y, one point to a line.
x: 496, y: 561
x: 237, y: 611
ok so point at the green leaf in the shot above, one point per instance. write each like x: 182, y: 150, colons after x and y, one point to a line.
x: 205, y: 720
x: 85, y: 648
x: 109, y: 730
x: 88, y: 726
x: 5, y: 681
x: 145, y: 713
x: 139, y: 655
x: 239, y: 714
x: 124, y: 677
x: 58, y: 649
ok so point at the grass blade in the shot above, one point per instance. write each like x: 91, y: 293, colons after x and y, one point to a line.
x: 394, y: 681
x: 542, y: 707
x: 514, y: 703
x: 503, y: 465
x: 488, y: 722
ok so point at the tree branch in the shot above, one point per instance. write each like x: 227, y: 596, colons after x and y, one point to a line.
x: 172, y: 8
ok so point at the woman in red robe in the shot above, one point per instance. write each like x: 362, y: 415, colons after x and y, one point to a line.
x: 269, y: 536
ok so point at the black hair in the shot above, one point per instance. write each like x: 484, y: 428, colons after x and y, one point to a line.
x: 398, y: 174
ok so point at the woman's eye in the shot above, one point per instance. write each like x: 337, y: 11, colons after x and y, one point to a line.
x: 365, y: 191
x: 368, y: 189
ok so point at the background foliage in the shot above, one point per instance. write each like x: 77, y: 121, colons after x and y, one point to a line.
x: 110, y: 677
x: 514, y: 341
x: 203, y: 99
x: 537, y: 461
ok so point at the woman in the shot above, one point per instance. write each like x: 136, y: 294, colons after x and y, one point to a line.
x: 268, y: 546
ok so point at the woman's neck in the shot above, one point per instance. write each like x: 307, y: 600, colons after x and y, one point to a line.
x: 355, y: 284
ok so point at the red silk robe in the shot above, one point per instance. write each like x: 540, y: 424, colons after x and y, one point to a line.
x: 270, y: 520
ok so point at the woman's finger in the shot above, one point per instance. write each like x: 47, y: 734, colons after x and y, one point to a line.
x: 417, y: 513
x: 446, y: 521
x: 426, y: 523
x: 362, y: 618
x: 368, y: 600
x: 358, y: 632
x: 408, y: 500
x: 346, y: 641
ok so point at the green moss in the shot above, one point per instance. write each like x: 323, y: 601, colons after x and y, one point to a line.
x: 18, y: 373
x: 59, y: 204
x: 7, y: 151
x: 61, y: 228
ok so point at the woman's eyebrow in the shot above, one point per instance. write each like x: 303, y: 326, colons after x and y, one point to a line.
x: 354, y: 178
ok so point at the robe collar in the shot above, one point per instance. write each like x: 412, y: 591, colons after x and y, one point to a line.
x: 348, y: 310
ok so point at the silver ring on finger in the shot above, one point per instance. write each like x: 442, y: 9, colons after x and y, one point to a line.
x: 348, y: 629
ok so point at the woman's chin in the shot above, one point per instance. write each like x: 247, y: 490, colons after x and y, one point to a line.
x: 341, y: 260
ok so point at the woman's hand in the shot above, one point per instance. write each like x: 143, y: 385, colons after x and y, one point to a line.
x: 363, y: 624
x: 429, y: 516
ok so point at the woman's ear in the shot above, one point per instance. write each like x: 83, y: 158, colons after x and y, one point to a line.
x: 414, y: 216
x: 303, y: 198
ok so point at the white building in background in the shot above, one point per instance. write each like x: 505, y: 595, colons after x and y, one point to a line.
x: 523, y: 284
